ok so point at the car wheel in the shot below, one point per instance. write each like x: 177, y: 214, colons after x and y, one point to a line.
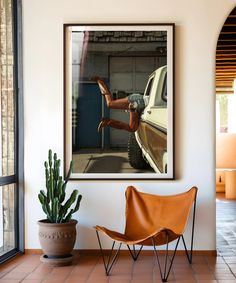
x: 135, y: 156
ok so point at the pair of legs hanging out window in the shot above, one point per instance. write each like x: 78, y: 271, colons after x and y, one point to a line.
x: 134, y: 103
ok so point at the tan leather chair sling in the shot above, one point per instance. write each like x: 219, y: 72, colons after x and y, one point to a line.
x: 152, y: 220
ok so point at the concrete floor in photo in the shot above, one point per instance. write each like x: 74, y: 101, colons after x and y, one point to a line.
x: 104, y: 161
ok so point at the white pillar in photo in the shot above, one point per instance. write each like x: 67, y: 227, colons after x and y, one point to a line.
x: 232, y: 111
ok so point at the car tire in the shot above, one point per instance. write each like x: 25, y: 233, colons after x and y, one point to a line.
x: 135, y: 156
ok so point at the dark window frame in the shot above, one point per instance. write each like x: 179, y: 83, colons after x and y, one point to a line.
x: 18, y: 177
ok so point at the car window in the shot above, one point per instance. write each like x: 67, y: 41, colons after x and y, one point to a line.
x: 149, y: 87
x: 161, y: 94
x: 164, y: 89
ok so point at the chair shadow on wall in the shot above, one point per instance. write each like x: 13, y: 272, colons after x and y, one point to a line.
x: 152, y: 220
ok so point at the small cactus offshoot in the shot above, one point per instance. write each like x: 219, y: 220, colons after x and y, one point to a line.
x: 57, y: 209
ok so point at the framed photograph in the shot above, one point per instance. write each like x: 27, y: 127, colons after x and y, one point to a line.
x: 119, y: 101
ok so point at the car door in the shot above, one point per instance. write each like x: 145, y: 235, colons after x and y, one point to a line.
x: 155, y: 119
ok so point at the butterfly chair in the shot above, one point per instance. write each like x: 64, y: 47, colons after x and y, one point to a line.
x: 152, y: 220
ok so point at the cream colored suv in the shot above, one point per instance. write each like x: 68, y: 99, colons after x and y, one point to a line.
x: 149, y: 143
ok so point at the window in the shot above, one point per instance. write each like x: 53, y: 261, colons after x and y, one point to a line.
x: 161, y: 92
x: 225, y: 113
x: 11, y: 237
x: 149, y: 87
x: 164, y: 90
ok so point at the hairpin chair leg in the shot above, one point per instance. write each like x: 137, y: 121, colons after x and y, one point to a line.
x: 134, y: 253
x: 190, y: 255
x: 108, y: 266
x: 165, y: 276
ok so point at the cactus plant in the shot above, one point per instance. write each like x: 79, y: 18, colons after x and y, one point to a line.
x: 53, y: 200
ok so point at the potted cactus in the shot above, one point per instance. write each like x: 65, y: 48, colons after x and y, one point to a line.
x: 57, y: 233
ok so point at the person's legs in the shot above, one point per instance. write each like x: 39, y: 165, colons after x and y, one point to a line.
x: 131, y: 127
x: 122, y: 103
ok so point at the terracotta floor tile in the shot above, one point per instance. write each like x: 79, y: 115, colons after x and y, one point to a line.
x: 43, y: 269
x: 203, y: 270
x: 9, y: 281
x: 14, y: 276
x: 76, y: 280
x: 98, y: 280
x: 36, y: 276
x: 24, y: 269
x: 116, y: 275
x: 31, y: 281
x: 184, y: 276
x: 53, y: 277
x: 137, y: 280
x: 6, y: 267
x: 121, y: 280
x: 81, y: 271
x: 204, y: 276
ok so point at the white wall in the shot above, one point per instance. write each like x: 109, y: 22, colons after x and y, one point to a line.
x: 198, y: 24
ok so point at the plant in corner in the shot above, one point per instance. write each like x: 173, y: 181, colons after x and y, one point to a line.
x: 57, y: 233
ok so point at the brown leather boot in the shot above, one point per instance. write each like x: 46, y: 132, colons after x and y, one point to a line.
x: 103, y: 123
x: 115, y: 124
x: 103, y: 89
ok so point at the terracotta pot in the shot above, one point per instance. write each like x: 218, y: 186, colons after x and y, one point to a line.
x: 57, y: 239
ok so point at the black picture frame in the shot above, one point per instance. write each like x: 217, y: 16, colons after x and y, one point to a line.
x: 122, y: 55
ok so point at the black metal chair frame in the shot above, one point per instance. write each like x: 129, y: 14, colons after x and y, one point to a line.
x: 135, y: 254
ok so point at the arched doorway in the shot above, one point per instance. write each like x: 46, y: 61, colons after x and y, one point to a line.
x: 226, y: 137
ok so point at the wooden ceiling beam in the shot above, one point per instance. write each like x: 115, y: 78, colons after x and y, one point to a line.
x: 222, y: 72
x: 231, y: 68
x: 228, y: 33
x: 220, y: 78
x: 225, y: 74
x: 218, y: 84
x: 226, y: 63
x: 224, y: 80
x: 225, y: 54
x: 224, y: 92
x: 226, y: 51
x: 226, y: 71
x: 226, y: 57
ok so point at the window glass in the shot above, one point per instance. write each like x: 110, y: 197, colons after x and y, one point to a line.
x: 222, y: 113
x: 9, y: 190
x: 6, y: 90
x: 7, y: 218
x: 161, y: 93
x: 149, y: 87
x: 164, y: 89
